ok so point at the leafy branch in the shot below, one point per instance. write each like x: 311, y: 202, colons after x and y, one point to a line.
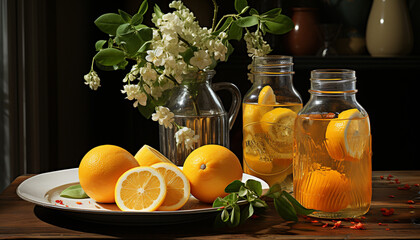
x: 285, y: 204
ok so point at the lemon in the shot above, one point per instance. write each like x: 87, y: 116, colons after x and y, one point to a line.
x: 278, y: 124
x: 147, y: 156
x: 267, y: 96
x: 140, y: 189
x: 348, y: 135
x: 177, y: 186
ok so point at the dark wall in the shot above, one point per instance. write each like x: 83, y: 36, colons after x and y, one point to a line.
x: 82, y: 118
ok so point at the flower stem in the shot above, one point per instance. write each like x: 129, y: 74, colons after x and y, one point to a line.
x: 216, y: 9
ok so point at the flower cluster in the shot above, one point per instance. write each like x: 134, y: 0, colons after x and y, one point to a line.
x: 176, y: 45
x: 256, y: 45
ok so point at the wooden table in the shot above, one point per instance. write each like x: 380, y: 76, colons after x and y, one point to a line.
x: 21, y: 219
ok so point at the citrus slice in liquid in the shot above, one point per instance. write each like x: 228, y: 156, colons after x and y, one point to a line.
x: 347, y: 136
x: 140, y: 189
x: 147, y: 156
x: 326, y: 191
x: 278, y: 124
x: 267, y: 96
x: 177, y: 186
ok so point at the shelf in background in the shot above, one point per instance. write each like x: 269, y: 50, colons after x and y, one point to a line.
x: 353, y: 62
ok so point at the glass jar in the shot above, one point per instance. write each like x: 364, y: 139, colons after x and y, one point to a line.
x: 196, y: 105
x: 269, y: 111
x: 332, y: 166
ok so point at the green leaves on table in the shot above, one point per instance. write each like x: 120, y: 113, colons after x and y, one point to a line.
x: 74, y: 191
x: 251, y: 192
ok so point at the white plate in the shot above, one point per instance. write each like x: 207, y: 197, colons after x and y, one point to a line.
x: 44, y: 190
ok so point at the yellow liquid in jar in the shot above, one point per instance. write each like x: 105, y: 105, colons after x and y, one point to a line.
x: 268, y: 142
x: 328, y: 178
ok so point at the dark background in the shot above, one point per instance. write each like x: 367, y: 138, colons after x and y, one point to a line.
x: 65, y: 119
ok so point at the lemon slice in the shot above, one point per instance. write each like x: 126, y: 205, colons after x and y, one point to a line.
x: 267, y: 96
x: 278, y: 124
x: 177, y: 186
x: 140, y: 189
x: 347, y: 136
x: 147, y: 156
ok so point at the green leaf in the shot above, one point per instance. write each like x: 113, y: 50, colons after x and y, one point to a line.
x: 147, y: 110
x: 254, y: 186
x: 120, y: 65
x: 242, y: 191
x: 109, y: 22
x: 136, y: 19
x: 278, y: 25
x: 298, y: 207
x: 146, y: 34
x: 272, y: 13
x: 235, y: 32
x: 274, y: 191
x: 124, y: 29
x: 247, y: 21
x: 235, y: 216
x: 225, y: 26
x: 219, y: 202
x: 230, y: 50
x: 285, y: 209
x: 125, y: 16
x: 240, y: 5
x: 109, y: 57
x: 143, y: 8
x: 158, y: 12
x: 258, y: 203
x: 231, y: 198
x: 99, y: 44
x: 75, y: 191
x: 234, y: 186
x: 225, y: 215
x: 144, y: 47
x: 253, y: 11
x: 246, y: 212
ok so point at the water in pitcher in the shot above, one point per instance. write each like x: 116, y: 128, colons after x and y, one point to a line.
x: 332, y: 163
x: 211, y: 128
x: 268, y: 142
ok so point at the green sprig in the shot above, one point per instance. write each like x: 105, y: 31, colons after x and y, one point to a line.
x: 251, y: 192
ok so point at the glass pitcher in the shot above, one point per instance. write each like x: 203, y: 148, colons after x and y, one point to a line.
x: 197, y: 106
x: 269, y: 111
x: 332, y: 167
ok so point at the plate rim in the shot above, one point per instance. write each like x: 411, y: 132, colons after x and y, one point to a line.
x: 34, y: 199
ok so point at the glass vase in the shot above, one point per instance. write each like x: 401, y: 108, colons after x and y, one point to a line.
x: 197, y: 106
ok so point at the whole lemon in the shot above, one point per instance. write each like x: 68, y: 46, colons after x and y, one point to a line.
x: 100, y: 169
x: 210, y: 169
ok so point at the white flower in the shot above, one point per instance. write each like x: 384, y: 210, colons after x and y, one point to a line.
x: 187, y: 136
x: 156, y: 56
x: 164, y: 116
x: 92, y: 79
x: 201, y: 59
x: 255, y: 44
x: 134, y: 93
x: 148, y: 73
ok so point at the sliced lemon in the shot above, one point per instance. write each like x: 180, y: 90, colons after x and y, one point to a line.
x: 278, y: 124
x: 177, y: 186
x: 147, y: 156
x: 140, y: 189
x: 267, y: 96
x: 348, y: 135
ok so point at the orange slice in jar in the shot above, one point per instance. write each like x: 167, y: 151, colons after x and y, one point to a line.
x: 348, y: 135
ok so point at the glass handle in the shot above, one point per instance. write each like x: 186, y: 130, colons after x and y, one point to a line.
x: 236, y: 99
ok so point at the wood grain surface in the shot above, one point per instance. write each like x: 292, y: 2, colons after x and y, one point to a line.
x: 21, y: 219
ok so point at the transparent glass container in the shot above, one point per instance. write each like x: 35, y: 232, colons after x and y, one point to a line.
x: 269, y: 111
x: 197, y: 106
x: 332, y: 166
